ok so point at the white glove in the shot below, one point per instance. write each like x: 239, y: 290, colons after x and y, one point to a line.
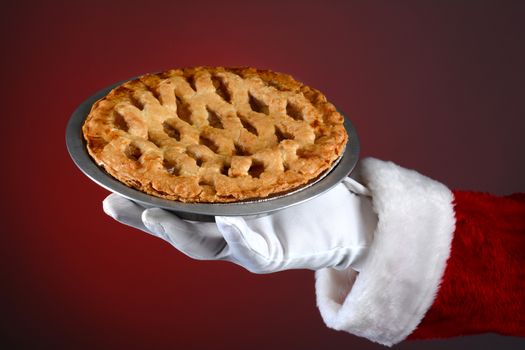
x: 332, y: 230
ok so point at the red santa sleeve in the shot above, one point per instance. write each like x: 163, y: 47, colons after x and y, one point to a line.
x: 441, y: 263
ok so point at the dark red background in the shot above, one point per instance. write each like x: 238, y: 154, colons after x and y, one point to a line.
x: 435, y: 86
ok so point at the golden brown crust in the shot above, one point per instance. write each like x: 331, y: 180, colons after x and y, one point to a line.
x: 214, y: 134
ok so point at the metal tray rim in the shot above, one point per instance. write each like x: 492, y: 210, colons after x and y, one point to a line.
x: 202, y: 211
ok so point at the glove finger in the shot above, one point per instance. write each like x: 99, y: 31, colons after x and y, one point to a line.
x: 124, y: 211
x: 355, y: 187
x: 198, y: 240
x: 246, y: 247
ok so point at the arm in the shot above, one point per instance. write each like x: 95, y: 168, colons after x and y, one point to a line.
x: 432, y: 262
x: 442, y: 263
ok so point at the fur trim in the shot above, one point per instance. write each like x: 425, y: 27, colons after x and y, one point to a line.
x: 400, y: 276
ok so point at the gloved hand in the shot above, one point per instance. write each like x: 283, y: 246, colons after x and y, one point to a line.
x: 332, y: 230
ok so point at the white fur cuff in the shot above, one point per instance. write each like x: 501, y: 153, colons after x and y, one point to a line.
x: 400, y: 276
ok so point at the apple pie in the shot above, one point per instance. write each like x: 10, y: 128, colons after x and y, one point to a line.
x: 215, y: 134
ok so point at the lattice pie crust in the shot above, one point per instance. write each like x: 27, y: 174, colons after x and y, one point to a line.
x: 214, y: 134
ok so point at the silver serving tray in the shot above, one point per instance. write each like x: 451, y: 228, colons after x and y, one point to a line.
x: 76, y: 146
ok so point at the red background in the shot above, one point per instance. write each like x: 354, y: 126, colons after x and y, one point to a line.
x: 434, y: 86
